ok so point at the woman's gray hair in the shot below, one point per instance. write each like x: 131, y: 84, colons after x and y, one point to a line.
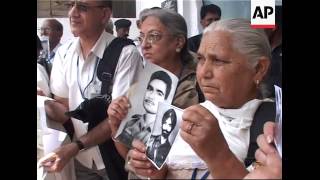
x: 251, y: 42
x: 175, y: 24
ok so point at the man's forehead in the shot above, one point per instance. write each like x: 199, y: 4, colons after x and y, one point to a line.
x: 86, y: 1
x: 210, y: 15
x: 46, y: 22
x: 124, y: 28
x: 156, y: 82
x: 45, y: 25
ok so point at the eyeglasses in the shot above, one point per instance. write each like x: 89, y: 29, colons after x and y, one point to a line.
x: 82, y: 7
x: 46, y: 29
x: 151, y: 37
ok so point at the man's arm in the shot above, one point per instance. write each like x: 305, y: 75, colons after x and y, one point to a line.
x: 55, y: 109
x: 56, y: 161
x: 122, y: 149
x: 97, y: 135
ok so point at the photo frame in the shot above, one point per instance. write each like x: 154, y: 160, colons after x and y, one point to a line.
x: 154, y: 84
x: 165, y: 131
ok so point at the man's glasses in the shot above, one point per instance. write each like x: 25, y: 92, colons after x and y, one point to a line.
x: 151, y: 38
x: 46, y: 29
x: 82, y: 7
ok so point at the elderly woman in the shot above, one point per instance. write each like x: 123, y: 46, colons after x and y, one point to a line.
x: 233, y: 61
x: 163, y: 39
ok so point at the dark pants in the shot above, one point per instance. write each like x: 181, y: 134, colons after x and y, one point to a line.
x: 84, y: 173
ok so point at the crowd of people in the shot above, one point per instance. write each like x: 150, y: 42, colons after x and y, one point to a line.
x: 224, y: 83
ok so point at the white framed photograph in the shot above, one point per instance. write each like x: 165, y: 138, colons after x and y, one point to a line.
x: 154, y: 85
x: 165, y: 131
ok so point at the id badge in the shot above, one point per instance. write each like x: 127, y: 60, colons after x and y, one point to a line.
x: 95, y: 89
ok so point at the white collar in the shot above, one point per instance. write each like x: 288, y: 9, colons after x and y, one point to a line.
x: 100, y: 45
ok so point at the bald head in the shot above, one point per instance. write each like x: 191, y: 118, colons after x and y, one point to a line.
x: 54, y: 30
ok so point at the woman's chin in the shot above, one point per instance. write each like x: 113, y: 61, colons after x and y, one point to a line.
x: 214, y: 99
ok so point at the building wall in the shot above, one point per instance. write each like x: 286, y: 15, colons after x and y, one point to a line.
x: 67, y: 35
x: 188, y: 9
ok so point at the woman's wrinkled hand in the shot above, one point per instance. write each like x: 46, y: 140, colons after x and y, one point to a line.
x: 139, y: 162
x: 269, y: 162
x: 200, y: 129
x: 117, y: 111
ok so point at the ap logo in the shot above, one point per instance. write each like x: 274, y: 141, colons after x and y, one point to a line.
x: 262, y: 13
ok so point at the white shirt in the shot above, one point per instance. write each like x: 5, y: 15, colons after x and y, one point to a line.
x: 68, y: 64
x: 43, y: 80
x: 52, y: 53
x: 182, y: 156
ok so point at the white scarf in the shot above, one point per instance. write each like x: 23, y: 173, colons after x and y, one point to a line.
x: 235, y: 126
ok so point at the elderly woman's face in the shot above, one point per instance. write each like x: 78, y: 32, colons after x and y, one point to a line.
x: 224, y: 75
x: 158, y: 45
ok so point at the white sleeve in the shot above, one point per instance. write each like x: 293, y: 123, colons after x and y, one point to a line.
x: 58, y: 84
x: 126, y: 70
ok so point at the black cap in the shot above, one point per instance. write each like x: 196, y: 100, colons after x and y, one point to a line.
x: 122, y: 23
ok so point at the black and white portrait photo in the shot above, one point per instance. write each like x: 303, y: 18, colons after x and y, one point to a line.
x: 155, y: 85
x: 164, y: 133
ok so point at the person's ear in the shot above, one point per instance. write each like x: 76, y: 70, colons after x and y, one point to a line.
x: 203, y: 24
x: 106, y: 15
x: 261, y: 69
x: 180, y: 43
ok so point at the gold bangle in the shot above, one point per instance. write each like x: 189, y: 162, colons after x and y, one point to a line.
x: 257, y: 164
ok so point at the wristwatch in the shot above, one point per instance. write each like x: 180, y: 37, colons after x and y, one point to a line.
x: 79, y: 144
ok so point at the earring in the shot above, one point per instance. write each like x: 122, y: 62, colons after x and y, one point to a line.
x: 257, y: 82
x: 178, y: 50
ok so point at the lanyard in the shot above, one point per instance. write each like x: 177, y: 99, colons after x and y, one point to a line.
x: 93, y: 76
x: 194, y: 175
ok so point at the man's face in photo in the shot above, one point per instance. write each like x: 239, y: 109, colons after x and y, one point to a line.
x: 155, y: 93
x: 167, y: 127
